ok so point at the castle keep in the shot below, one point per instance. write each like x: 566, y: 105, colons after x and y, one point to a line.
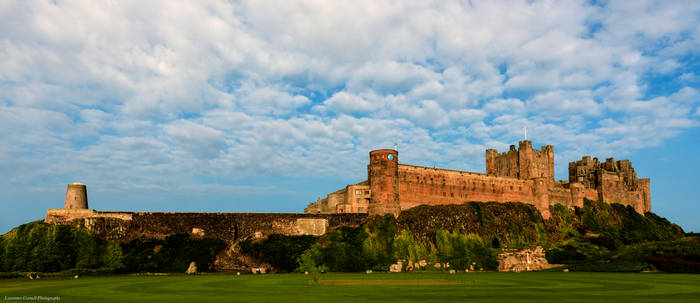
x: 520, y: 174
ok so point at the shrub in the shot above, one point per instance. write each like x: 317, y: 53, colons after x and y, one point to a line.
x: 280, y: 251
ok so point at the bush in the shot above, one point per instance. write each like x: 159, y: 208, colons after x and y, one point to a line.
x: 11, y: 275
x: 311, y: 260
x: 40, y: 247
x: 173, y: 254
x: 280, y: 251
x: 407, y: 247
x: 461, y: 251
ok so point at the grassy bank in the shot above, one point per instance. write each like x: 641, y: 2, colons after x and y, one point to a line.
x: 384, y: 287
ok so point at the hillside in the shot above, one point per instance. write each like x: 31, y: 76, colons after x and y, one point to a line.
x: 473, y: 233
x: 597, y: 237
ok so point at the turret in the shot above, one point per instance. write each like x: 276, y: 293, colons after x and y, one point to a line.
x: 383, y: 175
x: 76, y: 196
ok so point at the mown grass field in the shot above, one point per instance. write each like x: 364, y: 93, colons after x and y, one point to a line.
x: 377, y: 287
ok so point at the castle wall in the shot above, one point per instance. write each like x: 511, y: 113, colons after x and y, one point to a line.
x: 230, y: 227
x: 561, y: 196
x: 644, y: 189
x: 613, y: 189
x: 330, y: 204
x: 518, y: 175
x: 433, y: 186
x: 58, y: 215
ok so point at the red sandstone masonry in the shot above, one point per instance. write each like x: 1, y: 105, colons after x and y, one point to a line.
x: 519, y: 175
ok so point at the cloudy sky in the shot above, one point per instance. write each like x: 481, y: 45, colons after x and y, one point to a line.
x: 266, y: 105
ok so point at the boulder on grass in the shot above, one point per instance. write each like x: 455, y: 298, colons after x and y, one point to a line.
x: 192, y: 269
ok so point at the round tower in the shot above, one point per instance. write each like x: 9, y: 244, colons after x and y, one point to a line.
x: 76, y: 196
x: 383, y: 175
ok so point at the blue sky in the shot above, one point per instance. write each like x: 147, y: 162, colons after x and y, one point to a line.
x: 266, y: 105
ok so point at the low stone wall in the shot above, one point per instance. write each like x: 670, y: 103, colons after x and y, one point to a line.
x: 230, y: 227
x: 59, y: 215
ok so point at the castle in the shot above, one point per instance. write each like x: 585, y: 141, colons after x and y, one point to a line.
x: 520, y: 174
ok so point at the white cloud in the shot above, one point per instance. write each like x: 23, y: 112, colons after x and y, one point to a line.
x: 388, y: 77
x: 499, y: 105
x: 562, y: 104
x: 200, y: 140
x: 159, y: 92
x: 344, y: 102
x: 269, y: 100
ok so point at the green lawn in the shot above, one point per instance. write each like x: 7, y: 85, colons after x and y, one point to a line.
x: 377, y: 287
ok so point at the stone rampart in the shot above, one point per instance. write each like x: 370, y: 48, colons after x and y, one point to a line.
x: 433, y: 186
x: 230, y: 227
x: 58, y: 215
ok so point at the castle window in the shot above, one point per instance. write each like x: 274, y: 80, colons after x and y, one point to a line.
x: 361, y: 209
x: 367, y: 192
x: 452, y: 195
x: 444, y: 194
x: 358, y: 192
x: 359, y: 200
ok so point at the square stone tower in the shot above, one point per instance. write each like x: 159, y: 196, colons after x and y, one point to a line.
x: 522, y: 163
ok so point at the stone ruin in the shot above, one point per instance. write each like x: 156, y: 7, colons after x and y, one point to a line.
x: 523, y: 260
